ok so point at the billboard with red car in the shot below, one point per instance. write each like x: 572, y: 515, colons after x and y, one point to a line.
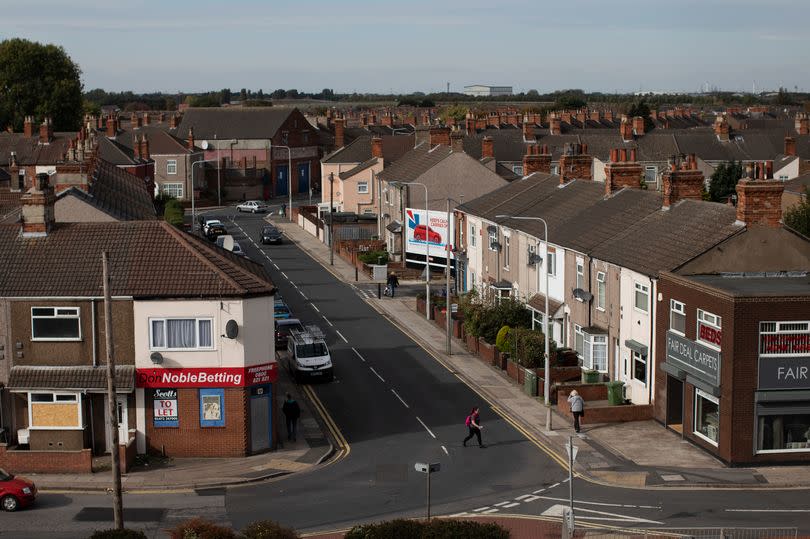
x: 429, y: 229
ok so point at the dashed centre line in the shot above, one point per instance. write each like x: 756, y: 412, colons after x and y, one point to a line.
x: 426, y: 427
x: 341, y: 336
x: 285, y: 275
x: 359, y: 355
x: 446, y: 452
x: 316, y: 308
x: 378, y: 375
x: 405, y: 404
x: 327, y: 321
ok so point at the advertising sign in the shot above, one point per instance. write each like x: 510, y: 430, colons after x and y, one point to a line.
x: 428, y: 228
x: 165, y: 405
x: 694, y: 358
x: 709, y: 334
x: 207, y: 376
x: 784, y: 372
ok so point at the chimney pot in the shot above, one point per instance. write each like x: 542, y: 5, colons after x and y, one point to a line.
x: 488, y: 148
x: 623, y: 155
x: 377, y: 147
x: 38, y: 208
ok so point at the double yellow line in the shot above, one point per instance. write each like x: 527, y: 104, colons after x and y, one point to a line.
x: 343, y: 448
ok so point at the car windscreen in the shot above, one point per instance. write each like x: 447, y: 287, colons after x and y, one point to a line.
x: 316, y: 349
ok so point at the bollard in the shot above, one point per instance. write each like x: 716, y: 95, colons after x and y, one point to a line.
x: 356, y: 277
x: 379, y: 291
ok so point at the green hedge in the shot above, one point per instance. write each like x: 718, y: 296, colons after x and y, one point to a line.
x: 486, y: 320
x: 435, y: 529
x: 373, y: 257
x: 268, y: 529
x: 199, y: 528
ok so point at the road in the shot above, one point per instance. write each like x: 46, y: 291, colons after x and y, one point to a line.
x: 396, y: 405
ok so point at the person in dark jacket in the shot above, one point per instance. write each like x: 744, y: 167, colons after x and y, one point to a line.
x: 474, y: 427
x: 291, y: 412
x: 392, y: 283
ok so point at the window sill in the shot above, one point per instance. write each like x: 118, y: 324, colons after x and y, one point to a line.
x: 676, y: 332
x: 705, y: 438
x: 44, y: 339
x: 600, y: 310
x: 786, y: 450
x: 182, y: 349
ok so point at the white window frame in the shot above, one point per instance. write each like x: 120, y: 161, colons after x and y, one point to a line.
x: 601, y: 290
x: 76, y: 400
x: 362, y: 188
x: 643, y: 289
x: 641, y: 358
x: 473, y: 235
x: 195, y: 348
x: 507, y: 244
x: 776, y: 328
x: 589, y: 342
x: 711, y: 320
x: 171, y: 167
x: 579, y: 333
x: 580, y: 282
x: 551, y: 261
x: 699, y: 393
x: 174, y: 189
x: 493, y: 238
x: 56, y: 309
x: 677, y: 307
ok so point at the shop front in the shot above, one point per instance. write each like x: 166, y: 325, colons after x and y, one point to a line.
x: 207, y: 411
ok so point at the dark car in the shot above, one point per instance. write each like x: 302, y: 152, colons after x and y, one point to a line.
x: 271, y: 234
x: 283, y: 328
x: 15, y: 492
x: 215, y: 231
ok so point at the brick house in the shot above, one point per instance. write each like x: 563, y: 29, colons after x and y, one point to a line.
x: 176, y: 302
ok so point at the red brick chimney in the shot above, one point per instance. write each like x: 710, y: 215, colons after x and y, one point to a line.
x: 439, y: 135
x: 111, y: 127
x: 802, y: 123
x: 487, y: 148
x: 173, y: 121
x: 554, y: 124
x: 469, y: 123
x: 190, y: 140
x: 622, y: 172
x: 721, y: 128
x: 28, y: 127
x: 145, y: 119
x: 457, y: 140
x: 145, y: 147
x: 37, y: 208
x: 626, y: 129
x: 682, y: 180
x: 536, y: 160
x: 575, y: 163
x: 638, y: 126
x: 759, y: 201
x: 46, y: 131
x: 135, y: 120
x: 340, y: 125
x: 136, y: 146
x: 609, y: 116
x: 377, y: 147
x: 528, y: 130
x: 790, y: 145
x: 594, y: 115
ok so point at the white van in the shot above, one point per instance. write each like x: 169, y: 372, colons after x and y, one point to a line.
x: 307, y: 354
x: 237, y: 249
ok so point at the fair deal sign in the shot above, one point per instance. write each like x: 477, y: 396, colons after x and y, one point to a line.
x: 429, y: 228
x: 207, y: 376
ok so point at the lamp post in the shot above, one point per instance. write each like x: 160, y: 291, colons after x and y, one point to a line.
x: 546, y: 367
x: 449, y: 317
x: 289, y: 172
x: 427, y: 243
x: 193, y: 214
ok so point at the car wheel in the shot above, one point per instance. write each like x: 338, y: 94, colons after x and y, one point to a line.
x: 254, y: 210
x: 10, y: 503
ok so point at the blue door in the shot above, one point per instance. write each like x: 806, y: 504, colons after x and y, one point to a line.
x: 282, y: 180
x: 261, y: 422
x: 303, y: 177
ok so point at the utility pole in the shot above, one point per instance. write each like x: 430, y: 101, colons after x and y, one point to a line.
x: 331, y: 218
x: 449, y: 318
x: 118, y: 507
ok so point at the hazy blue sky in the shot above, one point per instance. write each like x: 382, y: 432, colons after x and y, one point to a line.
x: 382, y: 45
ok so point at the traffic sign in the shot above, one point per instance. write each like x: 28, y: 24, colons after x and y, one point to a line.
x: 568, y: 451
x: 423, y: 467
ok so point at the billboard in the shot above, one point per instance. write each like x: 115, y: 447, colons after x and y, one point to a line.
x: 429, y: 228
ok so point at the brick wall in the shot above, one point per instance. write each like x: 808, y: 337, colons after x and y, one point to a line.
x: 191, y: 440
x: 606, y: 414
x: 23, y: 461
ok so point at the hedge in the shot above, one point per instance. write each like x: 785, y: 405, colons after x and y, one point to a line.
x: 118, y: 534
x: 435, y: 529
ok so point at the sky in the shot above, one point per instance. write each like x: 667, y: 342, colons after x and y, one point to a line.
x: 421, y: 45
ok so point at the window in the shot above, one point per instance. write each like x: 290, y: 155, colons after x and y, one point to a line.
x: 595, y: 352
x: 212, y: 407
x: 551, y: 257
x: 385, y: 195
x: 579, y: 341
x: 55, y: 324
x: 362, y: 187
x: 54, y: 411
x: 518, y: 169
x: 639, y: 367
x: 642, y: 300
x: 171, y: 166
x: 651, y: 175
x: 472, y: 279
x: 784, y: 338
x: 677, y: 317
x: 538, y: 320
x: 707, y: 416
x: 285, y: 137
x: 506, y: 245
x: 473, y: 236
x: 555, y: 170
x: 181, y: 333
x: 709, y: 329
x: 600, y: 290
x: 580, y: 274
x: 783, y: 432
x: 493, y: 239
x: 173, y: 189
x: 305, y: 137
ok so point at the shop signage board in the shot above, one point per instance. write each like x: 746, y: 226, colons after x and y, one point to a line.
x: 429, y: 228
x: 784, y: 372
x: 207, y: 376
x: 165, y: 407
x: 694, y: 358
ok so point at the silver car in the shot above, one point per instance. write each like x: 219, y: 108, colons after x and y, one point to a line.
x: 252, y: 206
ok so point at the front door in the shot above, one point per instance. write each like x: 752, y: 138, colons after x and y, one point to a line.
x: 261, y: 406
x: 121, y: 417
x: 675, y: 404
x: 282, y: 180
x: 303, y: 177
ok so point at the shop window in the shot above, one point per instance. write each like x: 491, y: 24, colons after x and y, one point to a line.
x: 784, y: 338
x: 709, y: 329
x: 212, y: 407
x: 707, y: 416
x: 55, y: 324
x: 677, y: 317
x: 784, y: 432
x: 639, y: 367
x: 642, y: 299
x: 600, y: 290
x: 181, y: 334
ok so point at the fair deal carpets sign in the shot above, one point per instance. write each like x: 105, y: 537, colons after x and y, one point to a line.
x: 207, y: 376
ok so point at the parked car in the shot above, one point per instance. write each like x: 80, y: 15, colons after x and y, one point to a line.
x: 425, y: 233
x: 15, y: 492
x: 281, y: 311
x: 308, y: 355
x: 252, y: 206
x: 271, y: 234
x: 207, y: 223
x: 213, y: 231
x: 237, y: 249
x: 283, y: 328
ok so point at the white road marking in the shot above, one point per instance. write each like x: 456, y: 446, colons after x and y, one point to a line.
x: 405, y: 404
x: 294, y: 285
x: 459, y: 515
x: 316, y: 307
x: 426, y: 427
x: 768, y: 510
x: 603, y: 504
x: 481, y: 509
x: 302, y: 294
x: 327, y: 320
x: 358, y: 355
x: 378, y: 375
x: 523, y: 497
x: 502, y: 504
x: 285, y: 275
x: 552, y: 486
x: 491, y: 511
x: 591, y: 514
x: 446, y: 452
x: 531, y: 499
x: 341, y: 336
x: 275, y: 265
x: 510, y: 505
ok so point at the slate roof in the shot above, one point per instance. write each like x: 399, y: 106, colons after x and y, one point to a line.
x: 489, y: 205
x: 357, y: 151
x: 161, y: 142
x: 228, y: 123
x: 508, y: 144
x: 147, y: 259
x: 415, y: 163
x: 359, y: 168
x: 28, y: 151
x: 115, y: 152
x: 75, y: 378
x: 799, y: 184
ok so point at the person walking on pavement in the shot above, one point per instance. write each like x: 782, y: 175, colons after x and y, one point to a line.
x: 392, y: 283
x: 577, y: 407
x: 291, y: 412
x: 474, y: 425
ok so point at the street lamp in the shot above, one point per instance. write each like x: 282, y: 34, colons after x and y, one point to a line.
x: 427, y: 243
x: 193, y: 219
x: 289, y: 171
x: 448, y: 314
x: 547, y: 374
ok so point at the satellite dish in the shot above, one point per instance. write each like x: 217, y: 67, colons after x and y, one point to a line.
x: 156, y: 357
x: 231, y: 329
x: 227, y: 243
x: 204, y: 145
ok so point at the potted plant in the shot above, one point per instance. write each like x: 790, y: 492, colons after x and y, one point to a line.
x: 590, y: 376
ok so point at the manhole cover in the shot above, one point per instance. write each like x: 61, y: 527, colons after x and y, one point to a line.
x: 132, y: 514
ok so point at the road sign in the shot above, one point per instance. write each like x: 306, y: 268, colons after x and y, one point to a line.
x: 568, y: 451
x: 454, y: 307
x: 423, y: 467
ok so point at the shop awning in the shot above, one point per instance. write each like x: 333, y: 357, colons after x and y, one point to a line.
x: 781, y: 396
x: 538, y: 303
x: 672, y: 370
x: 636, y: 347
x: 700, y: 384
x: 82, y: 378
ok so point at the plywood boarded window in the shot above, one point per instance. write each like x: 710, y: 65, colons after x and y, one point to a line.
x: 54, y: 410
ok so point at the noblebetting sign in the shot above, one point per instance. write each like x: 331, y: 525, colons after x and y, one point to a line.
x: 207, y: 376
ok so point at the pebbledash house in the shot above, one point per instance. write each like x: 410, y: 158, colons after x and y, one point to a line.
x: 194, y: 354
